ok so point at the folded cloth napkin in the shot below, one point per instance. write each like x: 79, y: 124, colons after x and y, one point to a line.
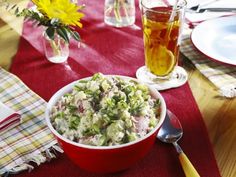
x: 222, y: 76
x: 31, y: 140
x: 8, y: 118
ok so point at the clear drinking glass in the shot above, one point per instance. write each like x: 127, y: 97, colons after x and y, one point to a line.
x: 57, y: 50
x: 119, y: 13
x: 162, y: 26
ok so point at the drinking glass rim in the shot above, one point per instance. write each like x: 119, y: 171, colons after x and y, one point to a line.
x: 181, y: 6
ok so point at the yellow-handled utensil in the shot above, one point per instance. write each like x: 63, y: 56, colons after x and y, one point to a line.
x: 170, y: 132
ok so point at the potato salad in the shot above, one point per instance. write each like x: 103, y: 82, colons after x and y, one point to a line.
x: 106, y: 111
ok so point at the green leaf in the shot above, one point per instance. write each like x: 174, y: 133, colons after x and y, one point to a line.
x: 50, y: 31
x: 63, y: 33
x: 54, y: 21
x: 75, y: 35
x: 36, y: 16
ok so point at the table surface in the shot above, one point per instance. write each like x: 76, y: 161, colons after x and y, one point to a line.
x: 218, y: 113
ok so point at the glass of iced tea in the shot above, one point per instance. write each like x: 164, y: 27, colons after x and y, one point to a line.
x: 162, y: 24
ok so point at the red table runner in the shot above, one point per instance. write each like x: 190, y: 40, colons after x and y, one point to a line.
x: 112, y: 51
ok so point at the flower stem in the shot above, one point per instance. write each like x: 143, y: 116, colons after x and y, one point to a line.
x: 117, y: 10
x: 125, y: 10
x: 55, y: 47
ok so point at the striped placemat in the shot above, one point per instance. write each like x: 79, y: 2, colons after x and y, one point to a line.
x: 31, y: 140
x: 222, y: 76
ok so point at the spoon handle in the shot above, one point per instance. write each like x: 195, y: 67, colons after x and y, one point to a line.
x: 187, y: 166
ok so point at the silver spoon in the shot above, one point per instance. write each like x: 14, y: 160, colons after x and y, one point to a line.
x: 170, y: 132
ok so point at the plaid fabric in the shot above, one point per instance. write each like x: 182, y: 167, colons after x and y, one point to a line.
x: 29, y: 141
x: 222, y: 76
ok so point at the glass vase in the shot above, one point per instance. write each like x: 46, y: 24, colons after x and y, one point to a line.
x: 56, y: 50
x: 119, y: 13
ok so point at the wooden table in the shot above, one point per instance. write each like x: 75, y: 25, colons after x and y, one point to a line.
x: 219, y: 113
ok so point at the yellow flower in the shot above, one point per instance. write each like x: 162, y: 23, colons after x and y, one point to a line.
x: 63, y: 10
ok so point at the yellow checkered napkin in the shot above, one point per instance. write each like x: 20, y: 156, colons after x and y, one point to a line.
x: 31, y: 140
x: 222, y: 76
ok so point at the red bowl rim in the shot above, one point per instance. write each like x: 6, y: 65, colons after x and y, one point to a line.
x: 69, y: 87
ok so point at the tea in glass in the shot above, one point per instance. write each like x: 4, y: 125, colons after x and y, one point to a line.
x: 161, y: 34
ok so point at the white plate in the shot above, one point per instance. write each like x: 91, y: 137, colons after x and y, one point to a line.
x: 216, y: 39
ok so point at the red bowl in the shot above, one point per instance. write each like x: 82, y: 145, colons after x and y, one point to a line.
x: 105, y: 159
